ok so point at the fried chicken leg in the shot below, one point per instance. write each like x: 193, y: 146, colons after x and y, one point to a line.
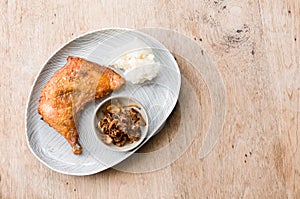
x: 69, y: 89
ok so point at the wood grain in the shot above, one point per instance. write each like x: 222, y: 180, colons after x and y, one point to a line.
x: 255, y: 46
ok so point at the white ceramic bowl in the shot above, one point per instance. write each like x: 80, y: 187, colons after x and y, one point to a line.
x: 98, y: 115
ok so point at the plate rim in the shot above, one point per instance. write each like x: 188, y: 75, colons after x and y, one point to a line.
x: 42, y: 68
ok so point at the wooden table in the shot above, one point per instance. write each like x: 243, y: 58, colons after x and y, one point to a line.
x: 255, y: 46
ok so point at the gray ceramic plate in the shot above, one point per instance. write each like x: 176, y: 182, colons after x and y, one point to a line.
x: 158, y: 96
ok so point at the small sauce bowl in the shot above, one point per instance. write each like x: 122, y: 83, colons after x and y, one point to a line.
x: 127, y: 103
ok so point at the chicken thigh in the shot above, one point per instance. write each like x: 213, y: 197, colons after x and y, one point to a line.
x: 69, y: 89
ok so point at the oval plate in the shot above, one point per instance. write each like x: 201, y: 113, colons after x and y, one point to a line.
x: 158, y: 96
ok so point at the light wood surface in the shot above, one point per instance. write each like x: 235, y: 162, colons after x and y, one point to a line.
x: 255, y: 47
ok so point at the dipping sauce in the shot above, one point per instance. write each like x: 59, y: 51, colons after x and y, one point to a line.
x: 121, y: 125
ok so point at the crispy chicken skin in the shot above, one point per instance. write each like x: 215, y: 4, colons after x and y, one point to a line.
x: 69, y: 89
